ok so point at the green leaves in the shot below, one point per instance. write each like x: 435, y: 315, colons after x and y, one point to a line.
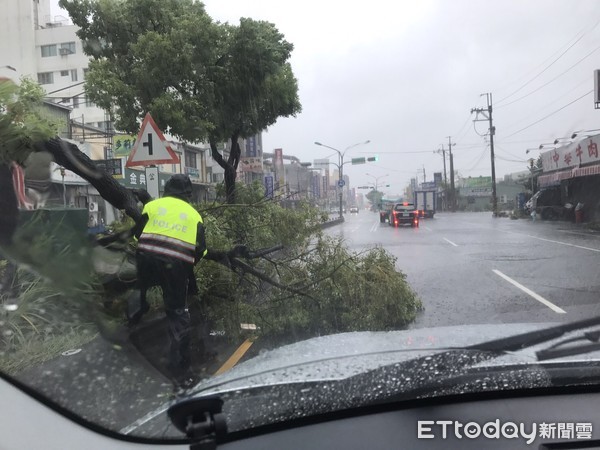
x: 374, y: 197
x: 344, y: 290
x: 196, y: 77
x: 23, y: 121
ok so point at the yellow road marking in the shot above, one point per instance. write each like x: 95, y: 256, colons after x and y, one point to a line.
x: 235, y: 358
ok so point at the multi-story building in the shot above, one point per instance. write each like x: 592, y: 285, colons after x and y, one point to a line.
x: 45, y: 48
x: 49, y: 52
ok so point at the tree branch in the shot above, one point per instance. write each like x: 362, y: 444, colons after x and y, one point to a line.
x: 71, y: 158
x: 251, y: 270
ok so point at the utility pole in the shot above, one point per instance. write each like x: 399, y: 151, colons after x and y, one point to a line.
x: 424, y: 178
x: 445, y: 197
x: 452, y: 192
x: 531, y: 162
x: 443, y: 150
x: 487, y: 113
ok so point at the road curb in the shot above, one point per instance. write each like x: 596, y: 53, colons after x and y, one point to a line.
x: 332, y: 223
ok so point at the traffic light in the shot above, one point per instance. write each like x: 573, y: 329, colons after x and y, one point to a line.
x: 373, y: 158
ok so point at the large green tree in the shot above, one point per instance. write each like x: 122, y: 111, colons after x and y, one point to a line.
x: 201, y: 80
x: 375, y: 197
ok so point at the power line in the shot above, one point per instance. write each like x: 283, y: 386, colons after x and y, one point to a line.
x: 511, y: 160
x: 577, y: 38
x: 483, y: 153
x: 547, y: 105
x: 477, y: 132
x: 544, y: 70
x: 551, y: 114
x: 398, y: 152
x: 553, y: 79
x: 463, y: 128
x: 393, y: 170
x: 510, y: 154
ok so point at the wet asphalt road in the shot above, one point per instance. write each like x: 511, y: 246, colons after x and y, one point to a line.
x: 465, y: 267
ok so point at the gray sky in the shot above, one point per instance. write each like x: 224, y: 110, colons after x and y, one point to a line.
x: 406, y: 74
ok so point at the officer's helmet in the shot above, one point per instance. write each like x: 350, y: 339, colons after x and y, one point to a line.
x: 179, y: 185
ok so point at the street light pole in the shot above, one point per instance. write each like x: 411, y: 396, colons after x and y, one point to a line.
x: 452, y: 191
x: 62, y: 174
x: 443, y: 152
x: 377, y: 179
x: 340, y: 166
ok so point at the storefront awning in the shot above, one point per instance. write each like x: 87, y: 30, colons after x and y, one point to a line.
x: 554, y: 179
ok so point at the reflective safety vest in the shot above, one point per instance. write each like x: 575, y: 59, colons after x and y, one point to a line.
x: 171, y: 229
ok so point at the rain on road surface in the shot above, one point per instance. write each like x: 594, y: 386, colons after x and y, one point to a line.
x: 471, y: 268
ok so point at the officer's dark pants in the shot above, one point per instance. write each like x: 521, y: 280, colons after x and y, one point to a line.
x: 172, y: 275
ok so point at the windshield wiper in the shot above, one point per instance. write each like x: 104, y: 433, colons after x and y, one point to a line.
x: 558, y: 350
x: 201, y: 419
x: 529, y: 339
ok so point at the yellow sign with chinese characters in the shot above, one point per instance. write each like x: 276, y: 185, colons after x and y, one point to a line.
x: 123, y: 144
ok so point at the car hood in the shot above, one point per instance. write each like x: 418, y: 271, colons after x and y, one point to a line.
x: 340, y: 356
x: 350, y: 370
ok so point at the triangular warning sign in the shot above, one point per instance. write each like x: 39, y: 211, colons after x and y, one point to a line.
x: 151, y: 147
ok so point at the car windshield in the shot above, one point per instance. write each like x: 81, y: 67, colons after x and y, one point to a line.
x: 180, y: 182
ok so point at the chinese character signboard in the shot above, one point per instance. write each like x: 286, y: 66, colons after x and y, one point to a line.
x: 269, y: 185
x: 192, y: 172
x: 138, y: 179
x: 122, y: 145
x: 574, y: 154
x: 153, y: 185
x: 477, y: 182
x: 251, y: 147
x: 113, y: 167
x: 251, y: 165
x: 476, y: 187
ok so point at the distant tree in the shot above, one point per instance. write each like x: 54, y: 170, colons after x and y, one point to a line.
x: 535, y: 170
x: 375, y: 197
x: 200, y: 80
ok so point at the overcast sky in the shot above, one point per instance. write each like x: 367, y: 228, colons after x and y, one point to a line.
x: 406, y: 74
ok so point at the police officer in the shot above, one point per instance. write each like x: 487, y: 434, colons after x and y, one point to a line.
x: 170, y: 242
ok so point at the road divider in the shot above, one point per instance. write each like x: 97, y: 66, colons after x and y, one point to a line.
x: 529, y: 292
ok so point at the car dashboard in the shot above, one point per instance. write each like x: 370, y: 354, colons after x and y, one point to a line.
x: 545, y: 418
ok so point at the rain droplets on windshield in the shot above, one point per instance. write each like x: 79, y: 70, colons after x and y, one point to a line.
x: 301, y: 209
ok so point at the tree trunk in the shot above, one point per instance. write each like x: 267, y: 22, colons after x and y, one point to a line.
x: 9, y: 212
x: 230, y: 166
x: 71, y: 158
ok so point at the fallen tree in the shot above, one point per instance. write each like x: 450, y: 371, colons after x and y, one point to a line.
x: 311, y: 285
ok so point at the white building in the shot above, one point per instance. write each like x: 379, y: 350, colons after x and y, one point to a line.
x: 46, y: 49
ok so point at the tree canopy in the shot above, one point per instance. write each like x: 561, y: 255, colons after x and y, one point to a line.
x: 374, y: 197
x: 23, y: 121
x: 201, y: 80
